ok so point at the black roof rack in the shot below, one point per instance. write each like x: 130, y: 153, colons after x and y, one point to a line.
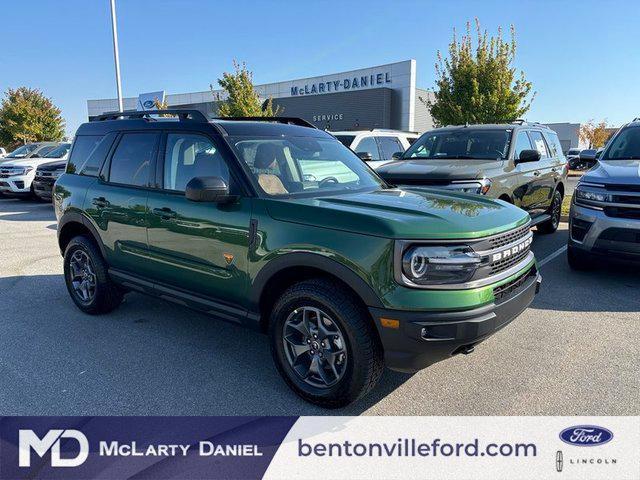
x: 286, y: 120
x: 187, y: 115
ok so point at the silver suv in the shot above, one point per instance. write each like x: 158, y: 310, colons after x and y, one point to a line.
x: 605, y: 211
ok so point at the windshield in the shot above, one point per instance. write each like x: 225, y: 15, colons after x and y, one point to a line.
x: 299, y: 166
x: 23, y: 151
x: 625, y: 146
x: 59, y: 152
x: 346, y: 140
x: 467, y: 143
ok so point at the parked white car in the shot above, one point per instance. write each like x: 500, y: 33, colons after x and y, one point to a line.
x: 17, y: 174
x: 3, y: 152
x: 378, y: 146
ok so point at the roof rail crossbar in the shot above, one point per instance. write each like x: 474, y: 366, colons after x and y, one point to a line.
x: 187, y: 115
x: 287, y: 120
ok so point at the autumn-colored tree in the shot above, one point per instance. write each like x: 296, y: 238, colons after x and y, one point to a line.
x: 242, y: 99
x: 26, y: 115
x: 477, y: 83
x: 596, y: 135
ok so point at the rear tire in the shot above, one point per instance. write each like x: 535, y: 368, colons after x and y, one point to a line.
x: 555, y: 210
x: 578, y: 260
x: 355, y: 373
x: 87, y: 278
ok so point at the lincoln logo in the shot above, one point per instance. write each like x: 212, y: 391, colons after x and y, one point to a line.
x: 28, y: 441
x: 510, y: 252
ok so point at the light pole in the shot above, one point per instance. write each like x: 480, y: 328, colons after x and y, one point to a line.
x: 116, y: 56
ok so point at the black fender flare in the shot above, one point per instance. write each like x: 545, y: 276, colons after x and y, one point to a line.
x: 313, y: 260
x: 75, y: 217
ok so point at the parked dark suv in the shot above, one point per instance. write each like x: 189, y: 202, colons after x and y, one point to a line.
x: 274, y: 224
x: 521, y: 163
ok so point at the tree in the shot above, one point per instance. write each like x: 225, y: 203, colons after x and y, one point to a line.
x: 242, y: 99
x: 479, y: 85
x: 26, y: 115
x: 595, y: 135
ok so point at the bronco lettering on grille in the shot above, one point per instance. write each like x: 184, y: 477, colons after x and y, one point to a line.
x: 511, y: 251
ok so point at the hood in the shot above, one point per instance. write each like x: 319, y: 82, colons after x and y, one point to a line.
x: 50, y: 166
x: 403, y: 213
x: 24, y: 162
x: 624, y: 172
x: 445, y: 170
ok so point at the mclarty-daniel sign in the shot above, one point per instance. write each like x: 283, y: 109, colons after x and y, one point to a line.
x: 347, y: 83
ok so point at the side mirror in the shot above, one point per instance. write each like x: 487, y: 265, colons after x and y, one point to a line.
x: 599, y: 153
x: 366, y: 156
x: 588, y: 155
x: 397, y: 156
x: 208, y: 189
x: 528, y: 156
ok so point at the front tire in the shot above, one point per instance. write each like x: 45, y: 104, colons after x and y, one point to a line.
x: 324, y: 344
x: 87, y: 278
x: 555, y: 211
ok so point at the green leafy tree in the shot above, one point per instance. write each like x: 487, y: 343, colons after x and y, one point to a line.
x: 242, y: 99
x: 478, y: 84
x: 26, y: 115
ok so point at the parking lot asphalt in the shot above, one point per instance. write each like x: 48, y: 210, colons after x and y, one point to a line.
x: 573, y: 352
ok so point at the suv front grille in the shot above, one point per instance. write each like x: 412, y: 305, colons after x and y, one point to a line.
x: 623, y: 188
x: 506, y: 263
x: 509, y: 237
x: 622, y: 212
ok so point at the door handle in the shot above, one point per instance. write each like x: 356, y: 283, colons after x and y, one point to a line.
x: 100, y: 202
x: 165, y: 213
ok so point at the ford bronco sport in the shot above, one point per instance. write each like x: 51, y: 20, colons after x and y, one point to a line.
x: 521, y: 163
x: 345, y: 273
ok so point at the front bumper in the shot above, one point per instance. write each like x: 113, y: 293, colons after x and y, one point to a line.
x: 424, y: 338
x: 43, y: 186
x: 594, y: 232
x: 16, y: 184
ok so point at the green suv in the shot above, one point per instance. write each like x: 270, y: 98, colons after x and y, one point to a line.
x: 275, y: 225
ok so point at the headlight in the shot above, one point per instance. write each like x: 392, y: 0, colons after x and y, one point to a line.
x: 21, y: 170
x: 480, y: 187
x: 591, y: 196
x: 438, y: 265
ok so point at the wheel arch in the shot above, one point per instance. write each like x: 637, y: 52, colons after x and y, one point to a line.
x: 282, y: 272
x: 73, y: 224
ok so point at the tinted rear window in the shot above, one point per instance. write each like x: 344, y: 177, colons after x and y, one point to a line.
x: 131, y: 162
x: 83, y: 147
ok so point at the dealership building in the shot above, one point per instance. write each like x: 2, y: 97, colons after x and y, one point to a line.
x: 384, y: 96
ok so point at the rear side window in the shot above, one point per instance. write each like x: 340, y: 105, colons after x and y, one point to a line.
x: 539, y: 143
x: 82, y: 160
x: 554, y: 144
x: 131, y: 162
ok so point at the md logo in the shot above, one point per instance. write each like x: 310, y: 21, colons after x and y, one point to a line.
x: 28, y: 441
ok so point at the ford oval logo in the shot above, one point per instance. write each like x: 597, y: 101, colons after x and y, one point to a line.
x: 586, y: 435
x: 148, y: 104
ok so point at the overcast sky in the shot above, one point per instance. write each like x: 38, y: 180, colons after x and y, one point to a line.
x: 583, y: 57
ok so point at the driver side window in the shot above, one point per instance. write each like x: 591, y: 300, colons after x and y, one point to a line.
x: 522, y: 143
x: 368, y: 144
x: 188, y: 156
